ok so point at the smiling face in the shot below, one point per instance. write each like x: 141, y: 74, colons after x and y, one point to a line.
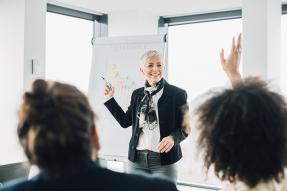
x: 153, y: 69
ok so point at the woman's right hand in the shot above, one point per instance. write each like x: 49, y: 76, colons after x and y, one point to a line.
x: 109, y: 92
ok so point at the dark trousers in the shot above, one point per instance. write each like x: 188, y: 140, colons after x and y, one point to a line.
x: 149, y: 162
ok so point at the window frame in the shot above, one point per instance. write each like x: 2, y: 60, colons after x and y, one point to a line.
x: 206, y: 17
x: 76, y: 13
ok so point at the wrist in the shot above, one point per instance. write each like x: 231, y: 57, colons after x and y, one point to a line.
x: 234, y: 77
x: 108, y: 98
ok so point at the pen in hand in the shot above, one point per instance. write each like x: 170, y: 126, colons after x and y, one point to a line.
x: 109, y: 86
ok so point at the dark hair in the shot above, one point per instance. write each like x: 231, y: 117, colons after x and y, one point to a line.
x: 244, y: 133
x: 62, y: 121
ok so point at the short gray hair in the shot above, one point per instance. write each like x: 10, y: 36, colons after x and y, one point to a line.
x: 149, y: 54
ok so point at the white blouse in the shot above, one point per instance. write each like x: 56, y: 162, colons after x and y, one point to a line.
x: 149, y: 139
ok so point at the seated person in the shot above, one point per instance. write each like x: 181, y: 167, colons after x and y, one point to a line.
x: 58, y: 134
x: 243, y: 132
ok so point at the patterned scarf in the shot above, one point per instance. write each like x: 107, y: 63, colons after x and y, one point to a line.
x: 147, y: 112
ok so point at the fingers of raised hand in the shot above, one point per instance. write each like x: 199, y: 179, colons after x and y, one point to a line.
x: 238, y: 44
x: 233, y: 44
x: 239, y: 41
x: 222, y: 56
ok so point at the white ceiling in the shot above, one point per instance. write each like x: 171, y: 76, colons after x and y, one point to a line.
x: 157, y: 7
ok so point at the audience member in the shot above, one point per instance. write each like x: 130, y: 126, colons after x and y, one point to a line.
x: 58, y: 134
x: 243, y: 131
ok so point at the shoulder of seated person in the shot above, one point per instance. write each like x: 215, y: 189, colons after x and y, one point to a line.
x: 156, y: 181
x: 17, y: 185
x: 139, y: 180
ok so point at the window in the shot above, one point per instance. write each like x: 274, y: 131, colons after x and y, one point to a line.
x: 68, y: 49
x: 194, y: 64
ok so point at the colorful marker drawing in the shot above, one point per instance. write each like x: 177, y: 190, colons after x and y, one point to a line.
x: 123, y: 83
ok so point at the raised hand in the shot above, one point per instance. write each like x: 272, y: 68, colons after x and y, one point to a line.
x: 231, y: 64
x: 109, y: 91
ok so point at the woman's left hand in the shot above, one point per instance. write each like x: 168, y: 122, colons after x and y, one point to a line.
x: 166, y: 144
x: 231, y: 64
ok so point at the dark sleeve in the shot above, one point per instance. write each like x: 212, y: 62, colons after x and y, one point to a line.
x: 124, y: 118
x: 179, y: 134
x: 161, y: 184
x: 18, y: 185
x: 150, y: 182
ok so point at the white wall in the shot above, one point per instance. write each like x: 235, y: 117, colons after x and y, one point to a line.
x: 11, y: 75
x: 16, y: 34
x: 132, y: 22
x: 35, y: 35
x: 262, y: 38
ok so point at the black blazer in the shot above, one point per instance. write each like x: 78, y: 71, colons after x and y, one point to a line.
x: 170, y: 119
x: 90, y: 177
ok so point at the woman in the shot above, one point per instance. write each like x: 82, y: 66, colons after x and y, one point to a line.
x: 156, y: 115
x: 58, y: 134
x: 244, y: 132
